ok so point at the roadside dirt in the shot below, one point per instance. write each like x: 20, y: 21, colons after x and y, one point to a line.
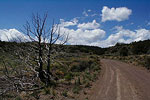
x: 120, y: 81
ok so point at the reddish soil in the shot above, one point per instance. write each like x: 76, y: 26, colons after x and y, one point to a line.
x: 120, y: 81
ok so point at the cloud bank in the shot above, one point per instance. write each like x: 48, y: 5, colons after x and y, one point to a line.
x: 12, y: 35
x: 91, y: 33
x: 125, y: 36
x: 85, y: 36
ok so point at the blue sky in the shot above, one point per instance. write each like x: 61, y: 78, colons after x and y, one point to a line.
x: 121, y: 20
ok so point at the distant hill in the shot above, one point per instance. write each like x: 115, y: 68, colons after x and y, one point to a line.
x: 134, y: 48
x: 10, y: 47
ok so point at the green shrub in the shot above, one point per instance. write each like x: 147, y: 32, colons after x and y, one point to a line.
x: 18, y: 98
x: 78, y: 82
x: 80, y: 66
x: 65, y: 93
x: 47, y: 90
x: 88, y: 76
x: 76, y: 89
x: 147, y: 61
x: 68, y: 77
x: 95, y: 66
x: 87, y: 85
x: 123, y: 51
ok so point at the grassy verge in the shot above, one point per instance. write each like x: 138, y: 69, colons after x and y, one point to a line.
x: 137, y: 60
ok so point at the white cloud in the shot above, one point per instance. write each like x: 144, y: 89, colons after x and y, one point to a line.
x: 125, y: 36
x: 94, y: 15
x: 85, y: 13
x: 12, y: 35
x: 80, y: 36
x: 89, y: 10
x: 148, y: 24
x: 118, y: 28
x: 118, y: 14
x: 142, y: 34
x: 132, y: 23
x: 85, y: 34
x: 68, y: 23
x: 89, y: 25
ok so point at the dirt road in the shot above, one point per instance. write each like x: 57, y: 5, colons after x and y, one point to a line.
x: 121, y: 81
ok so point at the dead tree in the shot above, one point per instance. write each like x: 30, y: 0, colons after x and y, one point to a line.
x: 43, y: 40
x: 22, y: 77
x: 46, y: 36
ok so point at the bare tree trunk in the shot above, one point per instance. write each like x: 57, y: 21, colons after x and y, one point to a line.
x: 48, y: 62
x: 39, y: 32
x: 40, y: 62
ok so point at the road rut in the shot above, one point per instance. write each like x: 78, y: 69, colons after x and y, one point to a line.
x: 121, y: 81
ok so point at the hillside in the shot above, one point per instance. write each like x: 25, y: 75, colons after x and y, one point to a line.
x: 73, y: 70
x: 134, y: 48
